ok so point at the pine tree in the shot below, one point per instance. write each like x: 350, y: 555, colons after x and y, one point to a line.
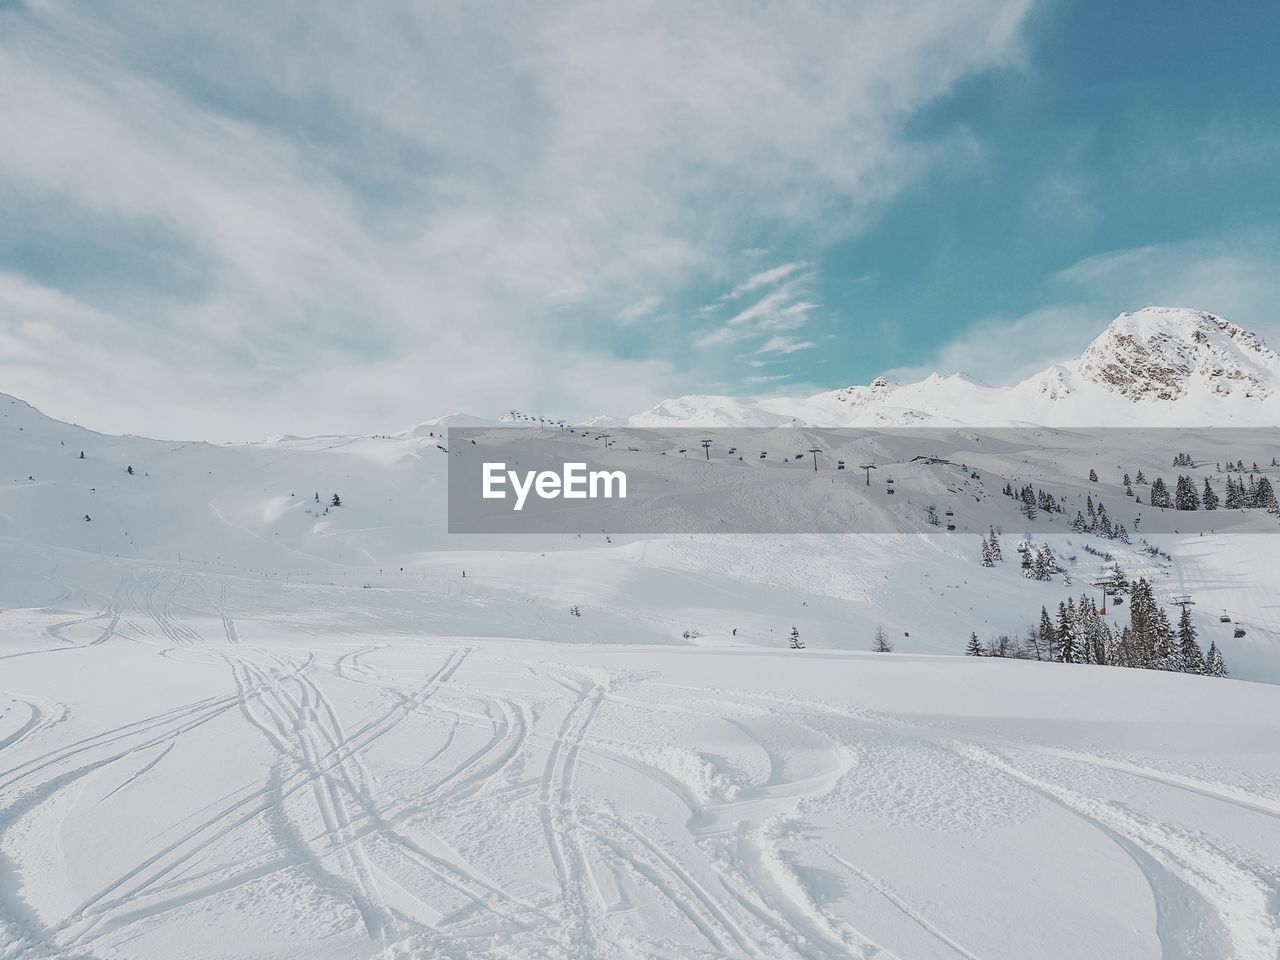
x: 796, y: 642
x: 1092, y: 632
x: 1190, y: 659
x: 1102, y: 525
x: 881, y: 643
x: 1264, y: 496
x: 1046, y: 564
x: 974, y: 649
x: 987, y: 559
x: 1209, y: 498
x: 1085, y: 613
x: 1093, y: 475
x: 1160, y: 493
x: 1140, y: 480
x: 996, y: 554
x: 1164, y: 646
x: 336, y: 501
x: 1105, y: 642
x: 1123, y: 651
x: 1233, y: 499
x: 1214, y: 666
x: 1126, y: 481
x: 1185, y: 496
x: 1142, y: 617
x: 1066, y: 632
x: 1048, y: 636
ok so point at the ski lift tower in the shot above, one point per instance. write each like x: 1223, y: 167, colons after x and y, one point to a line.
x: 1105, y: 586
x: 815, y: 451
x: 605, y: 438
x: 706, y: 448
x: 868, y: 467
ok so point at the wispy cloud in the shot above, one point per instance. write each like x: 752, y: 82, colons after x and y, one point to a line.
x: 765, y: 278
x: 784, y: 308
x: 638, y: 310
x: 785, y: 345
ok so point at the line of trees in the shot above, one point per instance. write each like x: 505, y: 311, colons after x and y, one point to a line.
x: 1256, y: 494
x: 1078, y: 633
x: 1038, y: 561
x: 1099, y: 522
x: 1033, y: 499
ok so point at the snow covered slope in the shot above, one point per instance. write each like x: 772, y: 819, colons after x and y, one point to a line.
x: 263, y: 510
x: 237, y: 720
x: 1157, y: 367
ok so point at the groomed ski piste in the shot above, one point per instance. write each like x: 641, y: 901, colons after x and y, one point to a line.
x: 239, y: 721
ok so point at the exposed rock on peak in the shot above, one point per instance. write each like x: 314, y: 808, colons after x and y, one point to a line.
x: 1163, y: 353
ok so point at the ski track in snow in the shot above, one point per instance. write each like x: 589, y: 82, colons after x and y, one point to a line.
x: 459, y: 797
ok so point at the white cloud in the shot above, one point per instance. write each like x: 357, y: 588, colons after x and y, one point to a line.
x: 765, y: 278
x: 1004, y: 350
x: 781, y: 309
x: 785, y: 345
x: 362, y: 229
x: 638, y: 310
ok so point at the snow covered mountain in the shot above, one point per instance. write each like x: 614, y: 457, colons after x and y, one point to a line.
x: 1161, y: 366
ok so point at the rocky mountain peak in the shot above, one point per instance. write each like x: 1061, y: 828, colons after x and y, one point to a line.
x: 1164, y: 353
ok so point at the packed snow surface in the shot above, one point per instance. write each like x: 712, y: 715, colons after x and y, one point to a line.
x: 211, y: 765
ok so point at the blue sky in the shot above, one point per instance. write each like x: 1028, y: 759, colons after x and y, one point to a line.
x: 222, y: 221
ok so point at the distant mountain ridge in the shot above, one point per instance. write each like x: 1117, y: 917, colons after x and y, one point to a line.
x: 1160, y: 366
